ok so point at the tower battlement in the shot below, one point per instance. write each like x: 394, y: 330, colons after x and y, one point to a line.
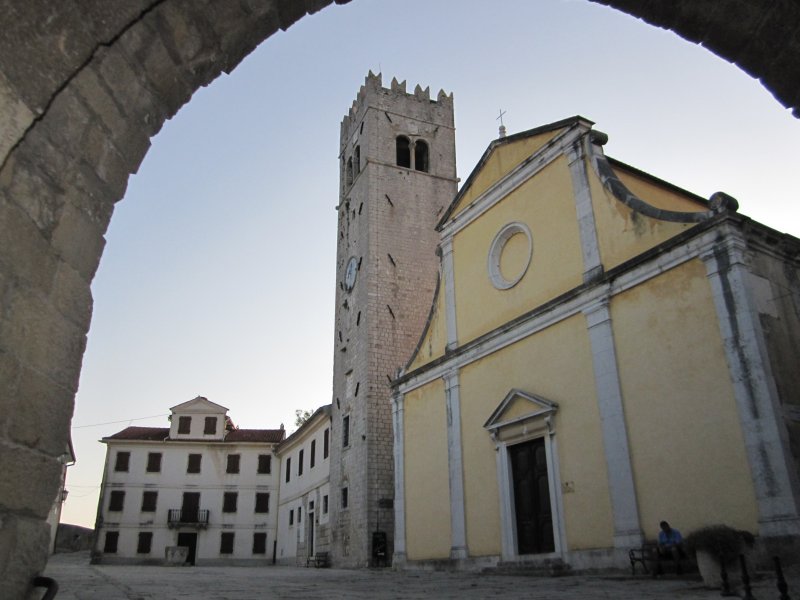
x: 373, y: 94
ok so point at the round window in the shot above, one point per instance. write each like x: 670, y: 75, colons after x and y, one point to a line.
x: 510, y: 255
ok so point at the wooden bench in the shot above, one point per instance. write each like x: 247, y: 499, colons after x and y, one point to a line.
x: 320, y: 559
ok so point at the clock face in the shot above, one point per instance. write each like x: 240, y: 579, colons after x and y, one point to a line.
x: 350, y: 274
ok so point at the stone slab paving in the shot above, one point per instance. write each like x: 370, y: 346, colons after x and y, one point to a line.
x: 78, y: 580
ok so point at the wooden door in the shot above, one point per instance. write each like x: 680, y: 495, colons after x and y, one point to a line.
x: 534, y: 519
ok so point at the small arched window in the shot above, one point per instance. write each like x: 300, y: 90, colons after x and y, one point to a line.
x: 421, y: 156
x: 403, y: 152
x: 350, y: 171
x: 357, y: 160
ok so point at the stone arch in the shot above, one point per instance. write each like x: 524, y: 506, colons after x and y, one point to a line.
x: 81, y: 94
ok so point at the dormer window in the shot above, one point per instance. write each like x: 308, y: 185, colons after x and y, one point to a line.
x: 421, y: 156
x: 403, y: 145
x: 210, y: 426
x: 184, y: 425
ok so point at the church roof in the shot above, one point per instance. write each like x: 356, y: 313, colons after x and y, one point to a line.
x: 162, y: 433
x: 501, y: 142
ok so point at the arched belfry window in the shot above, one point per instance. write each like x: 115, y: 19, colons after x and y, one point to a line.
x: 403, y: 152
x: 350, y: 171
x: 357, y: 160
x: 421, y: 156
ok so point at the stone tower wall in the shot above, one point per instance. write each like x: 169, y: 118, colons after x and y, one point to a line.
x: 386, y: 220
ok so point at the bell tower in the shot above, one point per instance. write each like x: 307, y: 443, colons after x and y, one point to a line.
x: 397, y: 176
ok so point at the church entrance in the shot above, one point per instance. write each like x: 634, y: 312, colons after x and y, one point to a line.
x: 534, y: 517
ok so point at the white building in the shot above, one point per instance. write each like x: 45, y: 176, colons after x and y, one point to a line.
x: 200, y: 483
x: 304, y: 499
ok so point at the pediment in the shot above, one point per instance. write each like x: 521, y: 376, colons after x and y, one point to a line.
x: 519, y: 406
x: 199, y: 405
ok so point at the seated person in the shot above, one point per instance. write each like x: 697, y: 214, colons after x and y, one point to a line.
x: 670, y: 545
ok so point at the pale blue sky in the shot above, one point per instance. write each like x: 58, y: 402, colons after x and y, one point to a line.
x: 218, y: 275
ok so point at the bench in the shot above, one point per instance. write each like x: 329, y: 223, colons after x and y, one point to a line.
x: 648, y: 552
x: 320, y: 559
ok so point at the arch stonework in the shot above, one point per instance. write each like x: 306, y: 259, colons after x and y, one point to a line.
x: 84, y: 85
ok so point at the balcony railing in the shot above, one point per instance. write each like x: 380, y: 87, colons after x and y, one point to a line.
x: 179, y: 517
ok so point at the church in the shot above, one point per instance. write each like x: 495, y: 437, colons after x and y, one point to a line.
x: 604, y: 350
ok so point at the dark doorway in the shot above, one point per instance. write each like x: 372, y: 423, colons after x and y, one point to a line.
x: 190, y: 541
x: 191, y: 506
x: 532, y: 497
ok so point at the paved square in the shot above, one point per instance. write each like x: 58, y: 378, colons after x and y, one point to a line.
x: 80, y: 581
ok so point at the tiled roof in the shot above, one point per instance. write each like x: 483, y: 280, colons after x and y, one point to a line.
x: 140, y: 433
x: 162, y: 433
x: 255, y: 435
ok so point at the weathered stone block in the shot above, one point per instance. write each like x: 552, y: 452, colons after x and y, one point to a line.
x: 26, y: 253
x: 14, y: 118
x: 110, y: 165
x: 23, y: 553
x: 146, y: 49
x: 79, y: 241
x: 42, y: 338
x: 30, y: 480
x: 41, y: 414
x: 72, y: 296
x: 39, y: 198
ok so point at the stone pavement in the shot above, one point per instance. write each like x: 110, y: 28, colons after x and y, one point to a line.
x: 80, y: 581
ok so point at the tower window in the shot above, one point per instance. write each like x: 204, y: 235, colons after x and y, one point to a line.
x: 345, y: 431
x: 403, y: 152
x: 350, y: 171
x: 357, y: 160
x: 421, y: 156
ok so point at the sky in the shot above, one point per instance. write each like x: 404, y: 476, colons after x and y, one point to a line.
x: 218, y: 276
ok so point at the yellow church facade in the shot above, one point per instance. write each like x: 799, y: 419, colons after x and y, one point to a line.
x: 605, y: 351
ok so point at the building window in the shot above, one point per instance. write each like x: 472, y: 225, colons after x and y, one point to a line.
x: 288, y: 469
x: 262, y: 502
x: 117, y: 501
x: 121, y: 464
x: 259, y: 543
x: 154, y: 462
x: 357, y: 160
x: 145, y: 542
x: 229, y: 501
x: 421, y: 156
x: 264, y: 464
x: 149, y: 501
x: 184, y: 424
x: 325, y: 504
x: 210, y: 426
x: 345, y: 431
x: 233, y: 463
x: 300, y: 464
x: 344, y: 497
x: 313, y: 454
x: 350, y: 171
x: 226, y: 542
x: 193, y: 465
x: 325, y: 441
x: 403, y: 152
x: 291, y: 516
x: 299, y: 515
x: 112, y: 538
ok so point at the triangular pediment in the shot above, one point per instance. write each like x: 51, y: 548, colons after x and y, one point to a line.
x: 519, y: 406
x: 199, y: 405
